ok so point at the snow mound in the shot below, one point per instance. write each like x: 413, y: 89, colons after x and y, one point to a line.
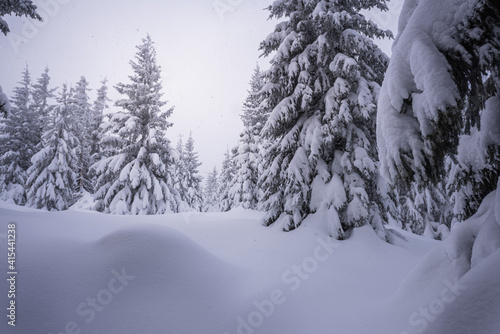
x: 477, y: 308
x: 456, y: 287
x: 224, y: 273
x: 135, y: 280
x: 85, y: 202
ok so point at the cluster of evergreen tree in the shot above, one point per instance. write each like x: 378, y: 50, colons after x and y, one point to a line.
x: 308, y: 144
x: 53, y: 153
x: 332, y: 128
x: 309, y: 139
x: 45, y: 147
x: 186, y: 176
x: 210, y: 192
x: 239, y: 179
x: 22, y: 134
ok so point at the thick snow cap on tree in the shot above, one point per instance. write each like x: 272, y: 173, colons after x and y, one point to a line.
x: 419, y: 84
x: 4, y: 101
x: 490, y: 123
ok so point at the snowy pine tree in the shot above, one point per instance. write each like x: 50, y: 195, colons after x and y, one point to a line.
x: 182, y: 177
x: 137, y: 179
x: 52, y: 177
x: 472, y: 176
x: 210, y: 192
x: 226, y: 176
x: 424, y: 210
x: 441, y: 87
x: 178, y: 176
x: 19, y: 141
x: 97, y: 119
x: 41, y: 96
x: 191, y: 180
x: 82, y: 122
x: 18, y: 8
x: 322, y: 86
x: 243, y: 190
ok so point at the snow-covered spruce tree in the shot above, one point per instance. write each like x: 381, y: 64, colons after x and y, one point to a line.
x: 137, y: 179
x: 254, y: 112
x: 178, y: 177
x: 476, y: 170
x: 41, y: 96
x: 424, y: 210
x: 210, y: 192
x: 322, y: 85
x: 19, y: 142
x: 244, y: 190
x: 191, y: 180
x: 441, y: 87
x: 226, y: 176
x: 82, y: 122
x: 108, y: 137
x: 471, y: 177
x: 18, y: 8
x: 52, y: 177
x: 97, y: 119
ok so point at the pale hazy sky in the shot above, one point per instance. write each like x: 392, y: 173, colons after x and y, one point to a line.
x: 207, y: 50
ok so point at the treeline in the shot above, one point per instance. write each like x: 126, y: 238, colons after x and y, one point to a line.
x: 52, y: 153
x: 332, y: 129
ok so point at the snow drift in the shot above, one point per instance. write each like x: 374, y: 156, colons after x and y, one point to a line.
x: 224, y: 273
x: 456, y: 287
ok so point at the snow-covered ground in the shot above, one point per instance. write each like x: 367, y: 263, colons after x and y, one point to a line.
x: 86, y: 272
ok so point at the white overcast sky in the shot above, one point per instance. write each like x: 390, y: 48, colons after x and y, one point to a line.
x: 207, y: 50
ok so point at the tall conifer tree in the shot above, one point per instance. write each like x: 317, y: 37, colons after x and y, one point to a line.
x: 19, y: 141
x: 83, y: 124
x: 210, y: 193
x: 243, y: 189
x: 53, y: 175
x: 322, y: 87
x: 137, y: 179
x: 191, y: 179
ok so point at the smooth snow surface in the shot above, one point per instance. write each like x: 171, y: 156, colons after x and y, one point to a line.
x: 225, y: 273
x: 456, y: 287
